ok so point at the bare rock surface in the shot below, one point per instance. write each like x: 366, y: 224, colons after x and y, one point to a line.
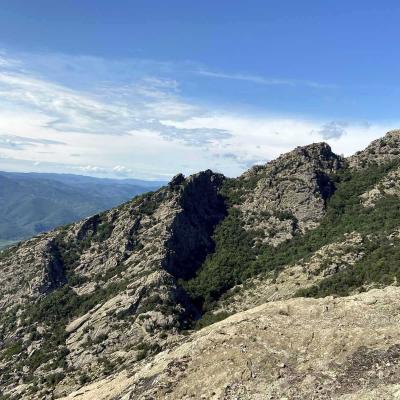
x: 41, y: 271
x: 289, y: 194
x: 382, y: 150
x: 331, y: 348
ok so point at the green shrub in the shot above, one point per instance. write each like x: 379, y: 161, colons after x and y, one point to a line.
x: 210, y: 318
x: 236, y: 257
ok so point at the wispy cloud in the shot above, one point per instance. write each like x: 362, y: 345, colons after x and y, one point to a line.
x: 260, y: 80
x: 112, y: 110
x: 20, y: 142
x: 133, y: 118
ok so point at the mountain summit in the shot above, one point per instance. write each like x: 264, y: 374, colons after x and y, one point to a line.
x: 125, y: 304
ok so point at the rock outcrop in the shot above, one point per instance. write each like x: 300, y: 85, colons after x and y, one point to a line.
x: 288, y: 195
x: 380, y: 151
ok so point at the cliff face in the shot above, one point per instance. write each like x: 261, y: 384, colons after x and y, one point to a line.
x: 289, y: 194
x: 106, y: 308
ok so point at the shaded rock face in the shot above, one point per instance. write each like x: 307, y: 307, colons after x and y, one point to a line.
x: 202, y: 209
x: 122, y: 267
x: 29, y: 271
x: 53, y: 269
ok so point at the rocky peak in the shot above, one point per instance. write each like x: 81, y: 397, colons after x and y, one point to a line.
x: 317, y: 156
x: 380, y: 151
x: 177, y: 180
x: 289, y: 194
x: 317, y: 153
x: 112, y: 279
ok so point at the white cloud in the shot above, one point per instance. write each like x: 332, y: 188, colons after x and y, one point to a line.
x: 333, y: 130
x: 258, y: 139
x: 121, y: 170
x: 91, y: 169
x: 142, y: 125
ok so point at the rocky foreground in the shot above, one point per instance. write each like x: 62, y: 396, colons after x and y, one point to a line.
x: 330, y: 348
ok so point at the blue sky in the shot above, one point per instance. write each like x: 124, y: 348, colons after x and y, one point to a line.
x: 150, y: 88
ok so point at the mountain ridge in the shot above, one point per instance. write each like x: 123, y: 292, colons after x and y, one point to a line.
x: 88, y: 301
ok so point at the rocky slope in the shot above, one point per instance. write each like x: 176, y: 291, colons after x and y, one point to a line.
x: 343, y: 348
x: 117, y: 277
x: 287, y: 195
x: 108, y: 307
x: 380, y: 151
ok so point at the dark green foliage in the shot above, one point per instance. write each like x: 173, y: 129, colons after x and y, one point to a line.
x: 100, y: 339
x: 210, y: 318
x: 223, y: 268
x: 84, y: 378
x: 234, y: 190
x: 11, y: 350
x: 149, y: 202
x: 237, y: 258
x: 104, y: 231
x: 150, y: 303
x: 56, y: 306
x: 146, y: 349
x: 52, y: 379
x: 116, y: 271
x: 108, y: 366
x: 380, y: 266
x: 55, y: 310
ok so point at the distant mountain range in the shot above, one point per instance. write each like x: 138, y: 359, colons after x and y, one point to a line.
x: 34, y: 202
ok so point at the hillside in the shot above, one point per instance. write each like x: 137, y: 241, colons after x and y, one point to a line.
x: 33, y: 203
x: 116, y: 306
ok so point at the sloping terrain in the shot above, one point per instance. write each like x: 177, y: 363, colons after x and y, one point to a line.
x: 343, y: 348
x: 117, y: 306
x: 34, y: 203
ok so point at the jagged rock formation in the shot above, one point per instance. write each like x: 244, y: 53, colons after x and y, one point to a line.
x: 107, y: 308
x: 289, y: 194
x: 380, y: 151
